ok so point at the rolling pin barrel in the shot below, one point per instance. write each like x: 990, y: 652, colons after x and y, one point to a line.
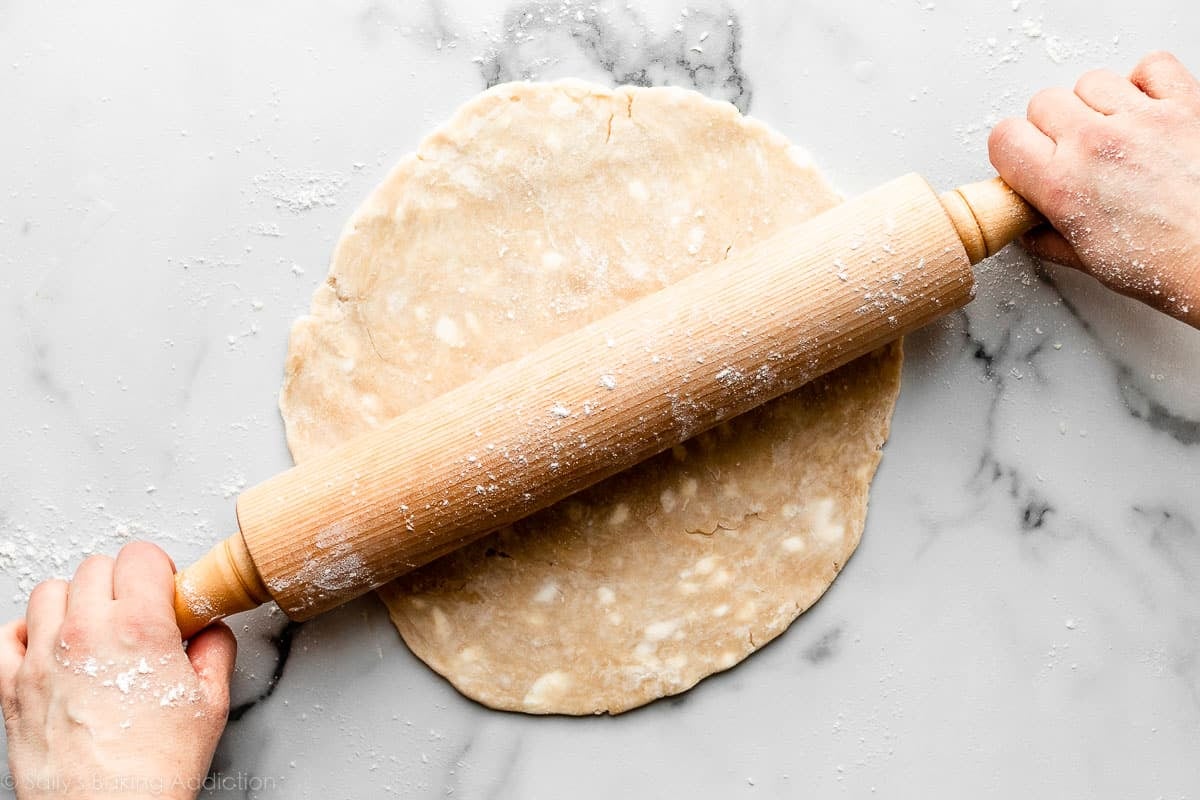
x: 598, y: 400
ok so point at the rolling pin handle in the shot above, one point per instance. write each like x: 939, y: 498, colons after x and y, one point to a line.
x: 988, y: 215
x: 224, y: 581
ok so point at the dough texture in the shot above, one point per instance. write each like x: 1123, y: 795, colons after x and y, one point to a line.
x: 537, y: 209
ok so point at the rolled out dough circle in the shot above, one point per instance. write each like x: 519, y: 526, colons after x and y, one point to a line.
x: 536, y: 209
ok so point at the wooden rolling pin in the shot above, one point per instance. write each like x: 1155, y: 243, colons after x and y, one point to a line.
x: 535, y: 430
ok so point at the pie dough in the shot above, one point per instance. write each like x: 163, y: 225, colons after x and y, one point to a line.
x: 537, y: 209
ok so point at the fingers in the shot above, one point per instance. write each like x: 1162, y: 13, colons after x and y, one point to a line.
x: 44, y: 616
x: 1057, y: 112
x: 1161, y: 76
x: 213, y: 652
x: 144, y: 576
x: 1046, y: 243
x: 91, y: 588
x: 1107, y: 92
x: 13, y: 637
x: 1021, y: 154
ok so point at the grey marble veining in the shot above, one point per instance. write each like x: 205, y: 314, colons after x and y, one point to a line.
x: 1023, y: 615
x: 701, y: 51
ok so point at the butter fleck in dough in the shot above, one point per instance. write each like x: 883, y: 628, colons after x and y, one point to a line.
x: 537, y: 209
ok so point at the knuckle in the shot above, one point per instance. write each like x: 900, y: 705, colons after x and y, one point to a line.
x: 1039, y: 101
x: 1090, y: 78
x: 147, y: 556
x: 1096, y: 80
x: 1097, y: 140
x: 52, y: 586
x: 1047, y: 99
x: 76, y: 633
x: 135, y: 629
x: 1154, y: 63
x: 1005, y: 143
x: 1000, y: 139
x: 1058, y: 195
x: 94, y: 561
x: 139, y: 547
x: 1158, y: 57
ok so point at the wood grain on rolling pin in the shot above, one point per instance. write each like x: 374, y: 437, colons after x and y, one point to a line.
x: 531, y: 432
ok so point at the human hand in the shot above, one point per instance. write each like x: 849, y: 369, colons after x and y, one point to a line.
x: 1115, y: 168
x: 100, y: 698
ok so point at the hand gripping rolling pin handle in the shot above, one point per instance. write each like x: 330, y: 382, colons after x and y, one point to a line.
x: 981, y: 217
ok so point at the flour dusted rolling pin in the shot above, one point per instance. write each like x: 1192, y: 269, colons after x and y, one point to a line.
x: 533, y: 431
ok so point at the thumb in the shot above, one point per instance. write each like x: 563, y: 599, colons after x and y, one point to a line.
x: 212, y: 652
x: 1047, y: 243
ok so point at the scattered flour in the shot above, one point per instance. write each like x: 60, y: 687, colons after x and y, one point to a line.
x: 229, y: 486
x: 297, y: 192
x: 270, y: 229
x: 173, y: 695
x: 124, y: 680
x: 32, y: 554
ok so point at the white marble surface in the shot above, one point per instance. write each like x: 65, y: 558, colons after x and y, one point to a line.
x: 1023, y: 616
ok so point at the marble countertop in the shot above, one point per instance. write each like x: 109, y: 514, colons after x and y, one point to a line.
x: 1023, y: 616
